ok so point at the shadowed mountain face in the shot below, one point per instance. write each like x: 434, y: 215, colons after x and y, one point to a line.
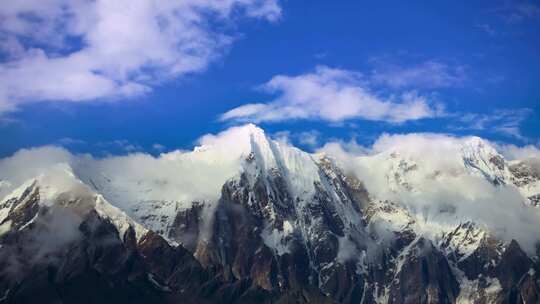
x: 286, y: 227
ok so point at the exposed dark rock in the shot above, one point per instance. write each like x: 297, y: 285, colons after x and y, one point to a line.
x: 343, y: 283
x: 514, y: 264
x: 227, y: 256
x: 186, y: 226
x: 22, y: 209
x: 529, y: 289
x: 484, y: 257
x: 424, y: 277
x: 95, y: 268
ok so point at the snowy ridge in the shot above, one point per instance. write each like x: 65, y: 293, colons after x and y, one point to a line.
x: 153, y: 190
x: 304, y: 177
x: 464, y: 240
x: 526, y: 176
x: 298, y: 168
x: 59, y: 184
x: 373, y: 216
x: 386, y: 218
x: 425, y: 186
x: 481, y: 158
x: 8, y: 202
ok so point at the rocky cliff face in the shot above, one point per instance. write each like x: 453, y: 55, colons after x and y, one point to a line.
x: 288, y: 227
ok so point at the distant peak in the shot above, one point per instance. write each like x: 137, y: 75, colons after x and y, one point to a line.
x: 236, y: 139
x: 255, y: 132
x: 475, y: 141
x: 253, y: 128
x: 251, y: 138
x: 252, y: 135
x: 478, y: 146
x: 481, y: 157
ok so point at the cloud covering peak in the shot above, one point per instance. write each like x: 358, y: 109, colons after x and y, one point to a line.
x: 472, y: 182
x: 444, y: 180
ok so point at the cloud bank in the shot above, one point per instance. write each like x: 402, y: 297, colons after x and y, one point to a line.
x: 332, y: 95
x: 439, y: 192
x: 514, y: 152
x: 182, y: 176
x: 84, y: 50
x: 425, y: 174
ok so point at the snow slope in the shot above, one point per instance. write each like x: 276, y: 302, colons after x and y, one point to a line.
x: 58, y: 186
x: 455, y: 194
x: 439, y: 186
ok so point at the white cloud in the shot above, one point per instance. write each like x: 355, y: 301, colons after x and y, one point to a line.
x: 344, y: 150
x: 332, y: 95
x: 182, y: 176
x: 513, y: 152
x: 444, y: 193
x: 158, y: 147
x: 309, y: 138
x: 430, y: 74
x: 84, y: 50
x: 29, y: 163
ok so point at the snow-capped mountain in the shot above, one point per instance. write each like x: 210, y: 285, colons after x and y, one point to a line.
x: 247, y: 219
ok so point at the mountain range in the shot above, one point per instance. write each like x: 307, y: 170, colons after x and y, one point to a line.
x: 244, y: 218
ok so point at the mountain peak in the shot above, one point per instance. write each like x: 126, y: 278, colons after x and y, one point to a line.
x: 253, y: 128
x: 255, y: 136
x: 244, y: 201
x: 478, y: 145
x: 235, y: 139
x: 480, y: 157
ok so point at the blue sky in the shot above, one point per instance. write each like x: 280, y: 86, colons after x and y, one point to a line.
x: 100, y: 82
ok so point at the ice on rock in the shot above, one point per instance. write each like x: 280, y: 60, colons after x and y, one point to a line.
x: 481, y: 158
x: 153, y: 190
x: 298, y: 167
x: 58, y: 184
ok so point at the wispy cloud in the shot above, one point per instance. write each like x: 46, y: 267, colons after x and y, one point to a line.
x: 431, y: 74
x: 488, y: 29
x: 309, y: 139
x: 524, y: 10
x: 70, y: 142
x: 518, y: 11
x: 116, y: 146
x: 77, y: 50
x: 121, y: 145
x: 158, y: 147
x: 504, y: 121
x: 332, y: 95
